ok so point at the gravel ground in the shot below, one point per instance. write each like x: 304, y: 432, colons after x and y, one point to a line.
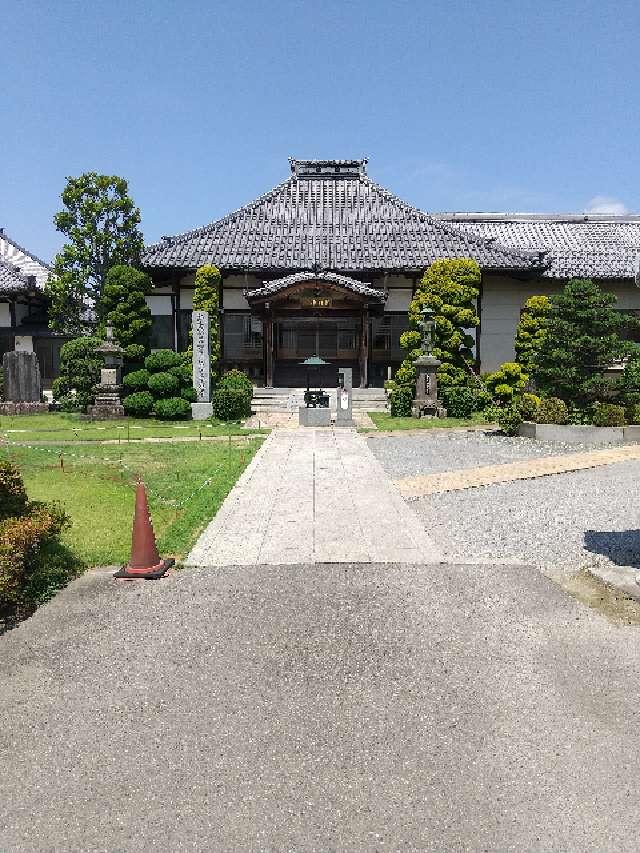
x: 568, y: 521
x: 407, y: 455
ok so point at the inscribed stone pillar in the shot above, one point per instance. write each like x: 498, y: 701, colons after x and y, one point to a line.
x: 201, y: 359
x: 22, y: 377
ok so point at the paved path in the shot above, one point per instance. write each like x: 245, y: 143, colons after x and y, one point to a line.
x: 313, y: 496
x: 320, y: 708
x: 423, y: 485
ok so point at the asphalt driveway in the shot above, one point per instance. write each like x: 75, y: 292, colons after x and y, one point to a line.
x: 331, y: 707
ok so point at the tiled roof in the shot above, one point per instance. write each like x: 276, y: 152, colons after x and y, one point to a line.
x: 28, y: 263
x: 594, y: 245
x: 270, y: 287
x: 12, y: 281
x: 329, y: 215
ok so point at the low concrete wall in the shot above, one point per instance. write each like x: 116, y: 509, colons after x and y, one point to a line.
x: 579, y: 434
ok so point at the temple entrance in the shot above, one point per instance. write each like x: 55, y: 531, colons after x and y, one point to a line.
x: 334, y: 340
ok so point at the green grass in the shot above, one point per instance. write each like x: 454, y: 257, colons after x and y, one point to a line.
x: 96, y: 487
x: 384, y: 421
x: 58, y: 427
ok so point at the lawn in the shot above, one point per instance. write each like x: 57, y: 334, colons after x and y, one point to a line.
x: 58, y: 427
x: 186, y: 484
x: 384, y: 421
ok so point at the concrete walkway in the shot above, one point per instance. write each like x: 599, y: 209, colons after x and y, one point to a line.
x: 313, y: 496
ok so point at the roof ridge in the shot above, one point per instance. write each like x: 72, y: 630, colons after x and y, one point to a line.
x: 521, y: 216
x: 5, y: 236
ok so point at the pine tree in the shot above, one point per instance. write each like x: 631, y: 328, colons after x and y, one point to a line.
x: 532, y: 330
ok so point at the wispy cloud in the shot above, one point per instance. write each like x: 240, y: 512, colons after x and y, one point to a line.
x: 606, y: 204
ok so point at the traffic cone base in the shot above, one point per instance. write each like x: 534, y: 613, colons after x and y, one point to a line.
x: 152, y: 573
x: 145, y: 563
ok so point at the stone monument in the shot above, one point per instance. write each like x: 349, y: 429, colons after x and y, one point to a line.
x: 344, y: 410
x: 426, y: 403
x: 22, y: 384
x: 202, y: 408
x: 107, y: 401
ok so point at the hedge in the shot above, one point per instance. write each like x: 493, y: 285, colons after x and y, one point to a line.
x: 172, y: 409
x: 231, y: 404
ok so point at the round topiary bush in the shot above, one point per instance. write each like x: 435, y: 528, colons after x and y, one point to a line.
x: 189, y: 394
x: 137, y: 380
x: 163, y: 360
x: 79, y: 373
x: 608, y: 415
x: 529, y: 405
x: 183, y: 373
x: 552, y: 410
x: 459, y: 402
x: 172, y: 409
x: 163, y: 385
x: 231, y: 404
x: 236, y: 380
x: 138, y: 404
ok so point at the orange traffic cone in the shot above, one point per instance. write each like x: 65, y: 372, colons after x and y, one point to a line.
x: 145, y: 561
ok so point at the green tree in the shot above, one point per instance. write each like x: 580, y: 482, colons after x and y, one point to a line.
x: 124, y: 308
x: 582, y: 341
x: 79, y: 372
x: 101, y: 223
x: 450, y: 288
x: 206, y: 297
x: 532, y: 330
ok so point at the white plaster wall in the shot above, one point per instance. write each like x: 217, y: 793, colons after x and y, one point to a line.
x: 233, y: 298
x: 186, y: 299
x: 159, y: 305
x: 5, y: 315
x: 242, y: 281
x: 398, y: 299
x: 503, y: 299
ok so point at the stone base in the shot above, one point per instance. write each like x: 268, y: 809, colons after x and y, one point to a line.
x: 310, y: 417
x: 344, y: 423
x: 22, y: 408
x: 105, y: 412
x: 201, y: 411
x: 428, y: 409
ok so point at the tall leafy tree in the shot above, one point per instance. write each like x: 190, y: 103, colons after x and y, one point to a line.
x: 450, y: 288
x: 123, y: 307
x: 582, y: 340
x: 101, y: 223
x: 532, y: 330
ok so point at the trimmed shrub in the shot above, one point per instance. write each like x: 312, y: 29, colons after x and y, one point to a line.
x: 183, y: 373
x: 172, y: 409
x: 136, y: 380
x: 189, y: 394
x: 235, y: 380
x: 21, y: 540
x: 163, y: 360
x: 510, y: 419
x: 79, y: 372
x: 459, y: 402
x: 552, y: 410
x: 163, y: 385
x: 13, y: 495
x: 608, y: 415
x: 401, y: 400
x: 632, y: 414
x: 135, y: 353
x: 529, y: 405
x: 493, y: 414
x: 138, y: 404
x: 231, y: 404
x: 507, y: 382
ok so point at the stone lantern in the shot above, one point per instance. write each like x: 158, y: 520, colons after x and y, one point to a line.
x: 426, y: 403
x: 107, y: 403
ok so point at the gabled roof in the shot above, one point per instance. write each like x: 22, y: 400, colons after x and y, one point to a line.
x: 27, y: 262
x: 328, y: 214
x: 600, y: 246
x: 269, y: 288
x: 12, y: 282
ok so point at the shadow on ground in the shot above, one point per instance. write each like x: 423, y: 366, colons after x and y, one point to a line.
x: 622, y: 547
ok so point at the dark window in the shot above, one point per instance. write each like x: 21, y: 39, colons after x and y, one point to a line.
x: 162, y: 332
x: 184, y: 327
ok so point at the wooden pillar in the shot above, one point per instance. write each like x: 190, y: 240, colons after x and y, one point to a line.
x: 268, y: 349
x: 364, y: 349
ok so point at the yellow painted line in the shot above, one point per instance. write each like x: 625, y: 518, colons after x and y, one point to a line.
x: 487, y: 475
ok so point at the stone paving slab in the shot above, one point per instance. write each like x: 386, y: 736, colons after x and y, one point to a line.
x: 314, y: 495
x: 487, y: 475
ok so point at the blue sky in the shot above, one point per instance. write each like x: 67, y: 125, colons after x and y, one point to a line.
x: 490, y: 105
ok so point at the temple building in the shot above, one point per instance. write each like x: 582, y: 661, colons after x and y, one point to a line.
x: 326, y: 263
